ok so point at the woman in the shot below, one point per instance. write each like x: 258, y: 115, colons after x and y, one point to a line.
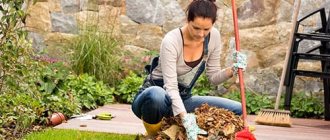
x: 184, y: 54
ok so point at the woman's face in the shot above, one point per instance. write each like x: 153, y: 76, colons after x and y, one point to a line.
x: 199, y: 28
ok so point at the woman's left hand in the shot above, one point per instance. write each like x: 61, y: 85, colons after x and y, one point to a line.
x: 240, y: 61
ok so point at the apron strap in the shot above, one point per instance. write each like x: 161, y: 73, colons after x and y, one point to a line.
x: 202, y: 66
x: 154, y: 63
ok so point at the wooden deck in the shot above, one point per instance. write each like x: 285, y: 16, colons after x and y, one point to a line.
x: 125, y: 122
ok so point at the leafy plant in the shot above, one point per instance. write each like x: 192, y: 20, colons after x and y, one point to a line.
x: 89, y: 92
x: 29, y: 89
x: 129, y: 87
x: 97, y: 54
x: 202, y: 86
x: 254, y: 102
x: 303, y: 106
x: 52, y: 77
x: 16, y: 65
x: 52, y: 80
x: 18, y: 72
x: 18, y: 112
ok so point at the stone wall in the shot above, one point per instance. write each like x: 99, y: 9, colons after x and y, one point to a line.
x: 264, y: 30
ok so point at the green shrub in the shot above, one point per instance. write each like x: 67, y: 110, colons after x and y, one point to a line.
x: 202, y: 86
x: 64, y: 92
x: 97, y: 54
x: 89, y: 92
x: 303, y: 106
x: 18, y: 111
x: 129, y: 87
x: 18, y: 72
x: 31, y: 90
x: 254, y: 102
x: 53, y: 77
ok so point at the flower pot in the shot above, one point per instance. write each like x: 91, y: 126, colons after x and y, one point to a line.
x: 57, y: 118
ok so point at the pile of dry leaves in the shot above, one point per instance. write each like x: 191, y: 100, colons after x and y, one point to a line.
x: 220, y: 124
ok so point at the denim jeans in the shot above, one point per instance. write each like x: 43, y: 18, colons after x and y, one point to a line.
x: 153, y: 103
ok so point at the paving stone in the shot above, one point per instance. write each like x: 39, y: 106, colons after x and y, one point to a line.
x: 125, y: 122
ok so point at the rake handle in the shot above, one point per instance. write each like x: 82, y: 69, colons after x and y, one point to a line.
x: 240, y: 72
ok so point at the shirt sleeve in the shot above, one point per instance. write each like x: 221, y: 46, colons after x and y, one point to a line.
x: 168, y: 59
x: 213, y: 70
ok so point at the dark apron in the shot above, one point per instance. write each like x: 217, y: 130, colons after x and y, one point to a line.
x: 185, y: 91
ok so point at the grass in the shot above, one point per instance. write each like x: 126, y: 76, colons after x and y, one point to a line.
x: 97, y: 54
x: 66, y: 134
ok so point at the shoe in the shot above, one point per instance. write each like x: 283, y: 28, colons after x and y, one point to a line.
x: 152, y: 129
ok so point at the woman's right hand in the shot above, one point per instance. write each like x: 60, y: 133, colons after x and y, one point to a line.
x: 192, y: 129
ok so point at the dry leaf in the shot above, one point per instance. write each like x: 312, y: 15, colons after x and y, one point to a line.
x: 221, y: 124
x: 172, y: 131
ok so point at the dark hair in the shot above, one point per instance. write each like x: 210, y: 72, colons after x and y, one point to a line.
x: 202, y: 8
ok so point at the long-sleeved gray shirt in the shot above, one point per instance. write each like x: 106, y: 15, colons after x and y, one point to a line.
x: 172, y: 65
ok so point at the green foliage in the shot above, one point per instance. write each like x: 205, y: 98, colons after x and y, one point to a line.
x: 90, y: 93
x: 64, y: 92
x: 303, y: 106
x: 202, y: 86
x: 57, y: 91
x: 18, y: 111
x: 18, y: 71
x: 254, y: 102
x: 16, y: 66
x: 53, y: 98
x: 128, y: 87
x: 97, y: 54
x: 31, y: 90
x: 52, y: 77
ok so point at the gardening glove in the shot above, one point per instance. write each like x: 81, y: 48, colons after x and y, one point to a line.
x: 240, y: 61
x: 192, y: 129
